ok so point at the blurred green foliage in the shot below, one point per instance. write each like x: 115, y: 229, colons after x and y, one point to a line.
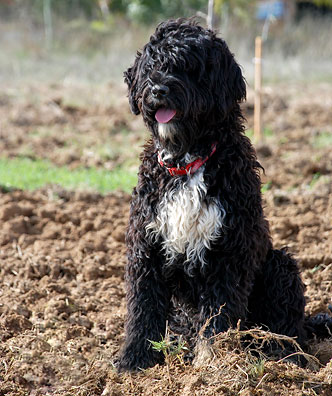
x: 148, y: 10
x: 327, y: 3
x: 35, y: 8
x: 136, y: 10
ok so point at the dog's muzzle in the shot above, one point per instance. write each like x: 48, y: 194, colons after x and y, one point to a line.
x: 159, y: 91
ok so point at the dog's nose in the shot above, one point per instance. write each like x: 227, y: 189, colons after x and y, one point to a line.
x: 159, y: 90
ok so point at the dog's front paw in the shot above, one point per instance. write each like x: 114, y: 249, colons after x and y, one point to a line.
x: 128, y: 364
x: 124, y: 365
x: 133, y: 360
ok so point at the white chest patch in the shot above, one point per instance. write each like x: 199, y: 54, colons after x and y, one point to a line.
x: 187, y: 222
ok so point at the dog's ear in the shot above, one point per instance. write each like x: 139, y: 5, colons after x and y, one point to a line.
x: 227, y: 82
x: 131, y: 79
x: 237, y: 82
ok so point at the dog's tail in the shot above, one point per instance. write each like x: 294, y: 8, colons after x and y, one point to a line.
x: 319, y: 326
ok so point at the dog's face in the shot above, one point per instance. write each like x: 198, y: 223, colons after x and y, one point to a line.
x: 184, y: 83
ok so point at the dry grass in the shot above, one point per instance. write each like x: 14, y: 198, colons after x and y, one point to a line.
x: 233, y: 370
x: 82, y: 51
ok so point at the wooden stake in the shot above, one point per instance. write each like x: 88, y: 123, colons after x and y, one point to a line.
x: 48, y: 27
x: 258, y: 90
x: 210, y: 16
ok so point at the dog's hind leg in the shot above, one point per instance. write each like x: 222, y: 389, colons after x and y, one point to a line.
x: 223, y: 300
x: 277, y: 301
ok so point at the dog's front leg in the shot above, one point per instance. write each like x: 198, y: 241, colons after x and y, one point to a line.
x: 147, y: 304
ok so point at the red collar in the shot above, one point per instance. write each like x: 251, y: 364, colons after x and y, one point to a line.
x: 191, y: 168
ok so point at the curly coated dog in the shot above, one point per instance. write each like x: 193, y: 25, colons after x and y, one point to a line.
x: 198, y: 243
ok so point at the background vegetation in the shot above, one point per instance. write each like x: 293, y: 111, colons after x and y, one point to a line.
x: 135, y: 9
x: 54, y: 45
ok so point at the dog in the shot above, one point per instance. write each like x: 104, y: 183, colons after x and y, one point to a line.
x: 197, y: 236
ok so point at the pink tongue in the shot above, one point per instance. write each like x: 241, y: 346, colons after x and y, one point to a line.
x: 164, y: 115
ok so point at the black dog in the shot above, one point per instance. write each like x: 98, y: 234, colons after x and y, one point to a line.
x: 197, y: 234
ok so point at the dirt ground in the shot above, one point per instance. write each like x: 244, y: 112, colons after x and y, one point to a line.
x: 62, y: 298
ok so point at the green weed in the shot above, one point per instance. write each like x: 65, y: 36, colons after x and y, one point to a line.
x: 170, y: 349
x: 324, y: 139
x: 257, y: 369
x: 267, y: 133
x: 283, y: 140
x: 250, y: 133
x: 314, y: 179
x: 266, y: 186
x: 315, y: 269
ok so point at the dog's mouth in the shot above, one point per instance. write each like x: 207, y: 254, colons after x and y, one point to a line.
x: 165, y: 115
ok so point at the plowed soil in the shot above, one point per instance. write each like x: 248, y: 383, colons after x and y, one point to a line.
x: 62, y: 297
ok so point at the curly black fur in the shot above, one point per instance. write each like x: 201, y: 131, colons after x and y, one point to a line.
x: 239, y: 270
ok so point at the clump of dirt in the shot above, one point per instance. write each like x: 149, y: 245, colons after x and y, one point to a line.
x: 62, y: 255
x: 62, y: 298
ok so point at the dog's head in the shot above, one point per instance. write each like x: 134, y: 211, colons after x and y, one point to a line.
x: 184, y: 82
